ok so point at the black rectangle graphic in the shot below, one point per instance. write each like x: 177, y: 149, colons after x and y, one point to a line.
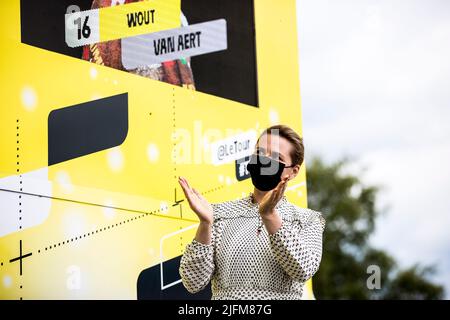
x: 86, y: 128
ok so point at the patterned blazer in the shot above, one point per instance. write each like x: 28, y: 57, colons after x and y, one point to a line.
x: 242, y: 263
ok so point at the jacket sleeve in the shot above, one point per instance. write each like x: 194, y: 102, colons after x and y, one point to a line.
x: 197, y: 263
x: 197, y: 266
x: 297, y: 246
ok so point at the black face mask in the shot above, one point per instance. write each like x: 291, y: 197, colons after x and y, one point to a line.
x: 265, y: 172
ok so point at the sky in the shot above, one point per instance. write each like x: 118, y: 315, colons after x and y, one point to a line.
x: 375, y: 86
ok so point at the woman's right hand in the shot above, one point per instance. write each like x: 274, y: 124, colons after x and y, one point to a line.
x: 197, y: 202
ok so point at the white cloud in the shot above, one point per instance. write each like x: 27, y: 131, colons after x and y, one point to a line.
x: 375, y: 81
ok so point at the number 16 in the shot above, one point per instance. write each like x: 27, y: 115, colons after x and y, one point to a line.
x: 86, y: 32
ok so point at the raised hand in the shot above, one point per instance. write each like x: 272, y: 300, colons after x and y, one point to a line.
x: 197, y: 202
x: 271, y: 198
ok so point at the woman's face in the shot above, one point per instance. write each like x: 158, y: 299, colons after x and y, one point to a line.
x: 278, y: 148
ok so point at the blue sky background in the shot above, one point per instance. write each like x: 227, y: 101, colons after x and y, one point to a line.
x: 375, y: 85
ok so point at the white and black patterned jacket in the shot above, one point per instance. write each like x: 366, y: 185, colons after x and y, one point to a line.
x: 244, y: 265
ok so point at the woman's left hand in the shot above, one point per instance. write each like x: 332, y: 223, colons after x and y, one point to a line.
x: 270, y: 200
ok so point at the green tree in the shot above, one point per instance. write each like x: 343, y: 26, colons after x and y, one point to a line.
x: 411, y: 284
x: 349, y: 206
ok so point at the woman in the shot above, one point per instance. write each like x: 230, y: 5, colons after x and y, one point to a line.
x: 260, y: 246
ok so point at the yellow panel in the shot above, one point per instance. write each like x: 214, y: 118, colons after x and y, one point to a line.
x: 123, y: 213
